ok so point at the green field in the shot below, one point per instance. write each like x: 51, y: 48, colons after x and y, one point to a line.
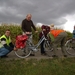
x: 54, y: 66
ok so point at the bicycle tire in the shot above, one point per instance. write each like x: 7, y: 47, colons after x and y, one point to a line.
x: 70, y: 48
x: 23, y: 52
x: 47, y: 46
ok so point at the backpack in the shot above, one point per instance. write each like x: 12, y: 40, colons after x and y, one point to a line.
x: 20, y: 41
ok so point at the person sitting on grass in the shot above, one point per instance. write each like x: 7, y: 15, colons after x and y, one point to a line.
x: 6, y: 46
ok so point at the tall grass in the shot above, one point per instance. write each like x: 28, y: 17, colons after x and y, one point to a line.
x: 16, y: 30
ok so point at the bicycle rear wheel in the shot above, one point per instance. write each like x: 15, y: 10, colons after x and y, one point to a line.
x: 23, y: 53
x: 70, y: 47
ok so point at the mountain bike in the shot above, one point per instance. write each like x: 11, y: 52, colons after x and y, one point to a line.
x: 26, y: 51
x: 70, y: 46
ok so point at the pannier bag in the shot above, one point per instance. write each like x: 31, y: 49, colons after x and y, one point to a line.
x: 21, y: 41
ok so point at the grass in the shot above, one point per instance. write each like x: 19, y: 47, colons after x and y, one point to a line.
x: 55, y: 66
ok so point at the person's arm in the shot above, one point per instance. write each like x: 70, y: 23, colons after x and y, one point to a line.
x: 23, y: 26
x: 8, y: 47
x: 73, y: 32
x: 43, y: 27
x: 3, y: 41
x: 11, y: 45
x: 33, y: 26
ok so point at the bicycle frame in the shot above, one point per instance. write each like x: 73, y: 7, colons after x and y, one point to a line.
x: 34, y: 47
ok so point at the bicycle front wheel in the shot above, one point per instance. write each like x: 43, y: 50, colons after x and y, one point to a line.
x: 70, y: 47
x: 47, y: 46
x: 23, y: 52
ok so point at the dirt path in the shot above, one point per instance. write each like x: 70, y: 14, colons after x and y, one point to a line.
x: 38, y: 55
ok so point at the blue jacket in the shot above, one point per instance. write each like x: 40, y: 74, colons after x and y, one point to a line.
x: 73, y: 33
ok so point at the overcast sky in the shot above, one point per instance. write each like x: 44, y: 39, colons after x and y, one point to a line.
x: 59, y: 12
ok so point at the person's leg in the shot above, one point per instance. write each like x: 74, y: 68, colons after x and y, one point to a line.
x: 54, y: 49
x: 55, y: 43
x: 42, y: 48
x: 64, y: 34
x: 3, y: 51
x: 31, y: 40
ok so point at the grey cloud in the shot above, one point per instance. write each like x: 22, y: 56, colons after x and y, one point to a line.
x: 43, y: 11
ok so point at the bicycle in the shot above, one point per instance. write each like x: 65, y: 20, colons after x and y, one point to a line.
x: 70, y: 46
x: 26, y: 51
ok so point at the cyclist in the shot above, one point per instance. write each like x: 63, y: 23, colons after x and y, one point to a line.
x: 46, y: 30
x: 27, y: 25
x: 59, y: 37
x: 6, y: 46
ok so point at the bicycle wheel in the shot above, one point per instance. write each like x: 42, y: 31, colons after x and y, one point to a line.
x: 47, y: 46
x: 70, y: 47
x: 23, y: 52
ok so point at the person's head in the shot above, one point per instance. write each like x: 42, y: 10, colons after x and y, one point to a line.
x: 28, y: 17
x: 52, y: 26
x: 7, y: 32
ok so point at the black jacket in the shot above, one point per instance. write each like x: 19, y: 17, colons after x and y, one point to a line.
x: 27, y: 26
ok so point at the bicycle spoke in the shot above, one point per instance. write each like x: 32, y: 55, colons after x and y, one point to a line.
x: 47, y: 46
x: 70, y: 48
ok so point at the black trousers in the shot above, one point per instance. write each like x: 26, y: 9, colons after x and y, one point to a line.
x: 42, y: 48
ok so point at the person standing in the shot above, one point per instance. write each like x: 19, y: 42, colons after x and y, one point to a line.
x: 6, y: 46
x: 27, y: 25
x: 59, y: 37
x: 74, y: 33
x: 45, y: 30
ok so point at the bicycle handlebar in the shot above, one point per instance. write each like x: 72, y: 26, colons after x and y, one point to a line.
x: 30, y: 33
